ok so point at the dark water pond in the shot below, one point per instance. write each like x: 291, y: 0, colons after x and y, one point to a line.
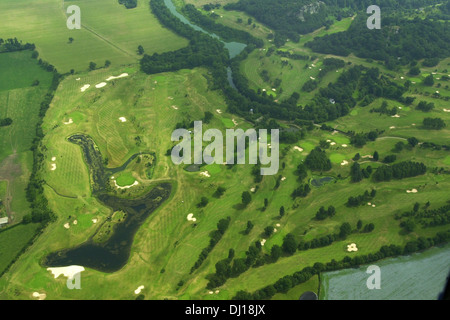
x: 320, y: 181
x: 112, y: 254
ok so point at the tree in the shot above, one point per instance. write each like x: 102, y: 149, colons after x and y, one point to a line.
x: 317, y: 160
x: 282, y: 211
x: 249, y: 227
x: 355, y: 172
x: 275, y: 253
x: 140, y: 50
x: 414, y: 71
x: 356, y: 157
x: 289, y: 245
x: 268, y: 231
x: 107, y: 63
x: 92, y: 66
x: 429, y: 81
x: 70, y: 40
x: 203, y: 202
x: 266, y: 202
x: 345, y: 230
x: 219, y: 192
x: 359, y: 224
x: 246, y: 198
x: 375, y: 156
x: 413, y: 141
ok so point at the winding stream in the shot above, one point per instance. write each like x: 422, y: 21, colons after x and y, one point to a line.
x: 113, y: 254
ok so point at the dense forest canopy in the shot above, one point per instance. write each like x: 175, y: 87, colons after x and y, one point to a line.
x: 398, y: 41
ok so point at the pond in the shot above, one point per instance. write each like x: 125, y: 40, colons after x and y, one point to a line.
x: 110, y: 255
x: 320, y: 181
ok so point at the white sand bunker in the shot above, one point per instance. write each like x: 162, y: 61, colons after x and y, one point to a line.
x: 446, y: 110
x: 138, y: 290
x: 235, y: 122
x: 135, y: 183
x: 123, y: 119
x: 373, y: 206
x: 412, y: 191
x: 94, y: 220
x: 75, y: 222
x: 117, y: 77
x: 253, y: 189
x: 218, y: 111
x: 392, y: 127
x: 175, y: 107
x: 312, y: 78
x: 275, y: 230
x: 284, y: 178
x: 328, y: 140
x: 85, y: 87
x: 278, y: 225
x: 100, y: 85
x: 78, y: 79
x: 298, y: 148
x: 352, y: 247
x: 39, y: 296
x: 68, y: 122
x: 367, y: 156
x: 53, y: 168
x: 396, y: 116
x: 205, y: 173
x: 263, y: 241
x: 273, y: 89
x: 344, y: 163
x: 53, y: 158
x: 67, y: 225
x: 369, y: 204
x: 216, y: 292
x: 332, y: 143
x: 190, y: 217
x: 68, y: 272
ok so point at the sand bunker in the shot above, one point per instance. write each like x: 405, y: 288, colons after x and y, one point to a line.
x: 332, y: 143
x: 68, y: 272
x: 396, y: 116
x: 205, y: 173
x: 273, y: 89
x: 78, y: 79
x: 85, y: 87
x: 328, y: 140
x: 175, y: 107
x: 100, y: 85
x: 138, y: 290
x: 210, y: 292
x: 275, y: 230
x: 392, y: 127
x: 53, y: 158
x: 53, y: 168
x: 298, y: 148
x: 39, y: 296
x: 284, y: 178
x: 373, y: 206
x: 344, y: 145
x: 344, y: 163
x: 263, y: 241
x: 352, y: 247
x: 235, y: 122
x: 253, y: 189
x: 170, y: 98
x: 402, y: 78
x: 135, y: 183
x: 67, y: 225
x: 190, y: 217
x: 217, y: 291
x: 446, y: 110
x: 218, y: 111
x: 75, y: 222
x: 412, y: 191
x: 369, y: 204
x: 94, y: 220
x: 117, y: 77
x: 68, y: 122
x: 123, y: 119
x: 312, y: 78
x: 367, y: 156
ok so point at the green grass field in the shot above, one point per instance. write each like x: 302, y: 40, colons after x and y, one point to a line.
x: 109, y: 31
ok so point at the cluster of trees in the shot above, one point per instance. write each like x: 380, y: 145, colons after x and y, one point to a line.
x: 302, y: 191
x: 317, y: 160
x: 215, y: 237
x: 322, y: 214
x: 5, y: 122
x: 361, y: 199
x: 226, y: 33
x: 424, y: 106
x: 433, y: 123
x: 427, y: 218
x: 416, y: 39
x: 360, y: 139
x: 10, y: 45
x: 384, y: 109
x: 293, y: 56
x: 211, y: 6
x: 357, y: 174
x: 399, y: 170
x: 286, y: 283
x: 129, y: 4
x: 330, y: 64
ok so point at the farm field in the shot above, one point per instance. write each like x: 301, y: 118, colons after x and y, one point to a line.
x: 109, y: 32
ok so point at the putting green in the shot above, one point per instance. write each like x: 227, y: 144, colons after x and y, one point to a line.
x: 354, y: 112
x: 307, y: 146
x: 125, y: 179
x: 340, y: 139
x: 77, y: 116
x: 337, y: 157
x: 213, y: 168
x: 228, y: 123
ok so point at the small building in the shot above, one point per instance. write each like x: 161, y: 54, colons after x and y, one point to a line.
x: 3, y: 221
